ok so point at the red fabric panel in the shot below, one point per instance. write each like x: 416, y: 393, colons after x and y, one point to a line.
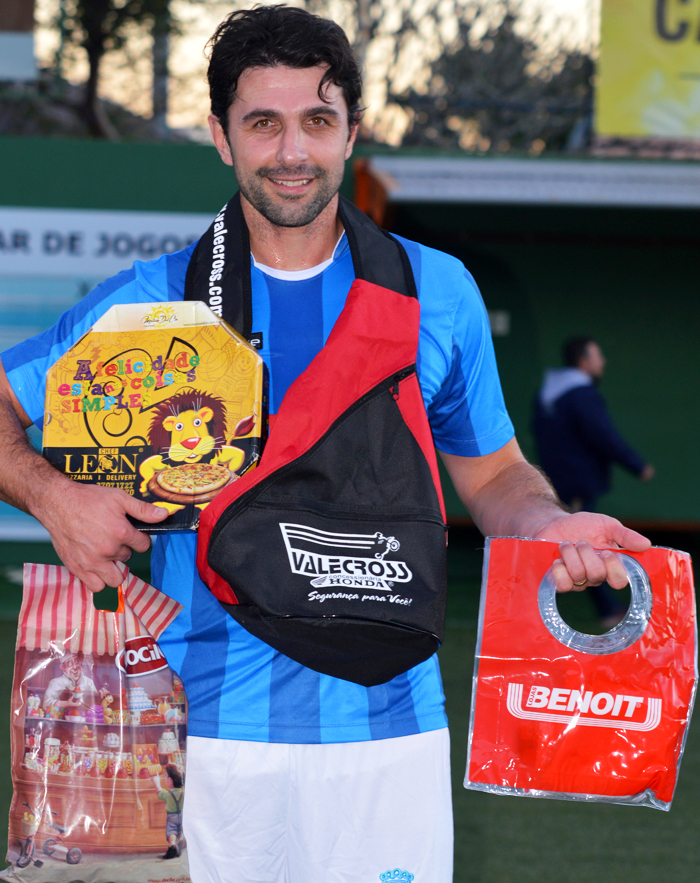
x: 375, y: 336
x: 410, y: 402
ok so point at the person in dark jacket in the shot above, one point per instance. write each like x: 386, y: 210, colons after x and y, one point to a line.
x: 578, y: 443
x: 576, y: 438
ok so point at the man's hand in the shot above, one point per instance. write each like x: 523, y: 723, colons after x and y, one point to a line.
x: 579, y: 536
x: 88, y: 524
x: 90, y: 531
x: 506, y: 496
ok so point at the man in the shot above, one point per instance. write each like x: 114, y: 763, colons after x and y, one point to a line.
x: 291, y: 775
x: 577, y: 443
x: 576, y: 439
x: 68, y: 690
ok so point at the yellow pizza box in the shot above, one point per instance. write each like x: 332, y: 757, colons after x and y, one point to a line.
x: 163, y: 400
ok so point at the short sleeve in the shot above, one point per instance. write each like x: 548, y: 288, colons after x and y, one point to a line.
x: 456, y: 360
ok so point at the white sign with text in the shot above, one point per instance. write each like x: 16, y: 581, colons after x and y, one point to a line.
x: 86, y: 242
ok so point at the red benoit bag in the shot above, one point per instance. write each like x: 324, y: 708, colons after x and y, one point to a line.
x: 556, y: 713
x: 98, y: 737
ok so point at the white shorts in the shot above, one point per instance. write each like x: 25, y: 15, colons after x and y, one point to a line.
x: 341, y: 813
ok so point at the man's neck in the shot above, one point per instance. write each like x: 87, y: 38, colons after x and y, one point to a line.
x: 293, y: 248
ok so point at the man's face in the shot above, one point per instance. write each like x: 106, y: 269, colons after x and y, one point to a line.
x: 593, y: 362
x: 287, y: 146
x: 73, y: 667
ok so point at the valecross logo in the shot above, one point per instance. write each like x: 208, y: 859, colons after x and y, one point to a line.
x: 589, y: 709
x: 140, y: 656
x: 327, y: 558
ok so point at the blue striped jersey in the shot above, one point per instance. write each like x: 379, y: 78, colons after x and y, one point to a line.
x: 237, y: 686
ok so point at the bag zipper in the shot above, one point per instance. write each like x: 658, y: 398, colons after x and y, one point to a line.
x: 355, y: 516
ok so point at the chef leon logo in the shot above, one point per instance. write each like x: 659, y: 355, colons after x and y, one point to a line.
x: 140, y: 656
x: 584, y: 707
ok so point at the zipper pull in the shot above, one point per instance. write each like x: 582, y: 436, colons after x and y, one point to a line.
x: 397, y: 378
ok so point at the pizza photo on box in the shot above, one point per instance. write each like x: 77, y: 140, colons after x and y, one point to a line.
x: 191, y: 460
x: 191, y: 482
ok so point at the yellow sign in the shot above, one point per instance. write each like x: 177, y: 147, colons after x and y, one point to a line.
x: 649, y: 74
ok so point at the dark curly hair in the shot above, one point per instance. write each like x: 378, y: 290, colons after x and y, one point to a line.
x: 267, y: 36
x: 174, y: 774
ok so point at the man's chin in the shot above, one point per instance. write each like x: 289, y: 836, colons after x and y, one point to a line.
x: 285, y: 216
x: 289, y: 210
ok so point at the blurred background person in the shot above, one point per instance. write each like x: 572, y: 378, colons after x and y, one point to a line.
x: 577, y: 443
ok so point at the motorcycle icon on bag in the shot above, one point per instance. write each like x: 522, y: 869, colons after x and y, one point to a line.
x: 52, y: 846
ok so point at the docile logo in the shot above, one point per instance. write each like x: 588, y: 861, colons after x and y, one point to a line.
x: 140, y: 656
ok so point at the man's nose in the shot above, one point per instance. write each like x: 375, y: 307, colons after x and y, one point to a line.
x: 292, y: 148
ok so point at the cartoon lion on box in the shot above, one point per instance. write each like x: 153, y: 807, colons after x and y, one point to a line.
x: 190, y: 428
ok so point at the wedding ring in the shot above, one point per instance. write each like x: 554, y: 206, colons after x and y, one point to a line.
x: 581, y: 583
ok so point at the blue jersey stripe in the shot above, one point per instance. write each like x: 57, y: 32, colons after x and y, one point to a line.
x: 295, y: 333
x: 167, y: 555
x: 391, y: 709
x: 344, y: 713
x: 426, y: 684
x: 204, y: 663
x: 176, y: 269
x: 295, y: 702
x: 448, y: 412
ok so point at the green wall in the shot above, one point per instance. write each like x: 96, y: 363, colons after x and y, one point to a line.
x: 629, y: 278
x: 58, y: 173
x: 64, y: 173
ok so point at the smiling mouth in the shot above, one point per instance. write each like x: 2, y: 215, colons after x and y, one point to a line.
x: 285, y: 183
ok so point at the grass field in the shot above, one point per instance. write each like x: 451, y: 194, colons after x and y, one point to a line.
x: 498, y: 839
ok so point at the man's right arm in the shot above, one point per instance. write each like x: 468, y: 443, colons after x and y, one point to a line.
x: 88, y: 524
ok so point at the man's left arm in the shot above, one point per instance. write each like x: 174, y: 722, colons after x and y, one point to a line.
x: 507, y: 496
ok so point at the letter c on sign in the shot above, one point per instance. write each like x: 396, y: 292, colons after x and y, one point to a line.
x: 661, y: 24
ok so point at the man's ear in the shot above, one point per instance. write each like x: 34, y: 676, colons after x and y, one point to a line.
x: 351, y: 140
x: 220, y: 140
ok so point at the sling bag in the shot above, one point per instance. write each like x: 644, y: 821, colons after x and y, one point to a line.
x: 332, y: 550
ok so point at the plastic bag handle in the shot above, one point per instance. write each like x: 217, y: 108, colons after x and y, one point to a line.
x: 623, y: 635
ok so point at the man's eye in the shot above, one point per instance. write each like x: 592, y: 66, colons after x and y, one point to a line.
x: 264, y: 124
x: 317, y: 121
